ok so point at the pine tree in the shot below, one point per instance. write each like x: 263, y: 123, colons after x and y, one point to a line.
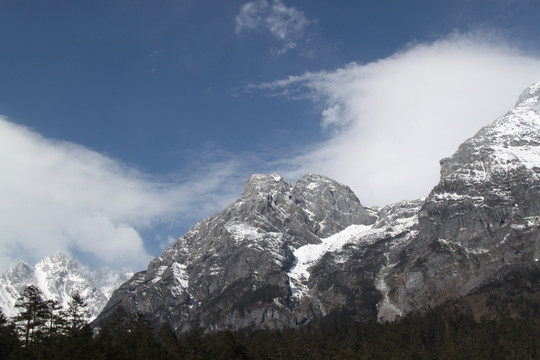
x: 8, y: 337
x: 33, y: 315
x: 113, y: 335
x: 142, y: 335
x: 229, y: 346
x: 76, y: 315
x: 169, y: 342
x: 74, y: 336
x: 55, y: 321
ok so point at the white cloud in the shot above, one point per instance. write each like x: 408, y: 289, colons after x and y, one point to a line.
x: 285, y: 24
x: 61, y: 196
x: 388, y: 124
x: 392, y: 120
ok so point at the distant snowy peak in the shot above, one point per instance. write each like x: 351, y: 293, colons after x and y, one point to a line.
x: 59, y: 277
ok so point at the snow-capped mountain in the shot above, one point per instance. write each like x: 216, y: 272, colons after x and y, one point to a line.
x: 59, y: 277
x: 284, y: 255
x: 233, y: 267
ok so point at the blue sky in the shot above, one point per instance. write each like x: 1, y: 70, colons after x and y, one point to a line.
x: 125, y: 122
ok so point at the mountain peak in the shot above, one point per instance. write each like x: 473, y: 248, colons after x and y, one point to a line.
x: 265, y: 184
x: 59, y: 277
x: 21, y: 266
x: 58, y: 258
x: 282, y: 255
x: 314, y: 179
x: 511, y: 142
x: 530, y: 97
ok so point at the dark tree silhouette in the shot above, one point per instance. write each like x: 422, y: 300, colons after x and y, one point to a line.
x: 33, y: 315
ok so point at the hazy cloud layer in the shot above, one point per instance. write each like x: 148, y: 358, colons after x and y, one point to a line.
x: 391, y: 121
x: 285, y: 24
x: 61, y: 196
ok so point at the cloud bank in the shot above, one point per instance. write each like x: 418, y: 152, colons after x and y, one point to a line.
x: 62, y: 196
x: 389, y: 122
x: 285, y: 24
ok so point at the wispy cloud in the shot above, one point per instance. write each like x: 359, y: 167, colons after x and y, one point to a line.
x: 62, y: 196
x: 389, y: 122
x: 285, y: 24
x: 154, y: 59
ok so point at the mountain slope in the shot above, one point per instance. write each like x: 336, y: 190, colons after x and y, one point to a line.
x: 230, y: 270
x: 59, y: 277
x: 482, y: 219
x: 284, y: 255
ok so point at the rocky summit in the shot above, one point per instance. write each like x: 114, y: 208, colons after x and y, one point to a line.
x: 480, y: 224
x: 284, y: 255
x: 232, y: 270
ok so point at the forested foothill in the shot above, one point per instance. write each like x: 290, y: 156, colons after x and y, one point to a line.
x: 42, y: 330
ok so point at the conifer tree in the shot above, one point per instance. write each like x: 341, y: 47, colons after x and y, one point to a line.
x: 76, y: 315
x: 169, y: 342
x: 8, y: 337
x: 55, y: 321
x: 33, y: 315
x: 142, y: 336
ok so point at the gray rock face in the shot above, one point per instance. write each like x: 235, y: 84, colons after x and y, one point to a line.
x: 482, y: 219
x: 282, y: 255
x: 347, y: 272
x: 230, y: 270
x: 329, y: 205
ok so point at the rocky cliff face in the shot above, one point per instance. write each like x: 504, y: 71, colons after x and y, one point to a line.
x: 283, y: 255
x: 231, y: 270
x: 347, y: 271
x: 482, y: 219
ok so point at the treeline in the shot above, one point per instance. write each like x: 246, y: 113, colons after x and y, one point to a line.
x: 43, y: 331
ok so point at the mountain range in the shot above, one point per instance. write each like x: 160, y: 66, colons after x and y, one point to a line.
x: 284, y: 255
x: 59, y: 277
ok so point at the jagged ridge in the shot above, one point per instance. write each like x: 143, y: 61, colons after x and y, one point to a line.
x: 59, y: 277
x: 283, y: 255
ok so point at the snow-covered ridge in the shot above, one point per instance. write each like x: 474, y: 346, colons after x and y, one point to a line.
x: 243, y: 232
x: 515, y: 137
x: 59, y: 277
x: 307, y: 255
x: 511, y: 142
x: 395, y: 219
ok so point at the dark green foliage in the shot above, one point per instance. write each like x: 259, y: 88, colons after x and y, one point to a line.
x: 33, y: 316
x: 169, y: 342
x: 40, y: 331
x: 128, y: 336
x: 437, y: 334
x: 75, y: 315
x: 8, y: 337
x: 55, y: 323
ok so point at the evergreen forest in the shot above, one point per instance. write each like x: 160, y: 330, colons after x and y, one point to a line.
x: 42, y: 330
